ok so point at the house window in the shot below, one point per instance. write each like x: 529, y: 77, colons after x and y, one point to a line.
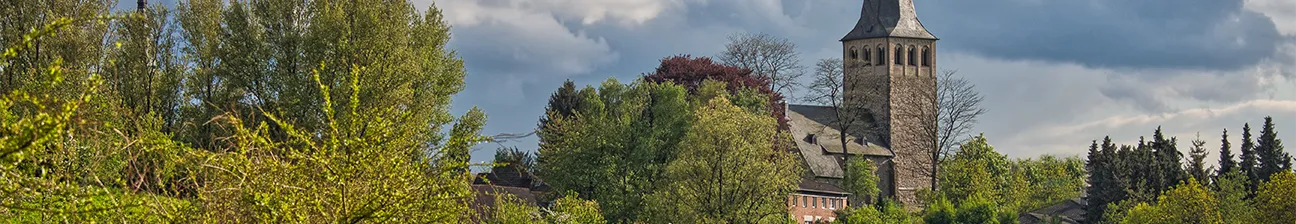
x: 814, y: 202
x: 804, y: 201
x: 899, y: 55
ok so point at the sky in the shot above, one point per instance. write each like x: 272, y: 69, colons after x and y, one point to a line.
x: 1055, y: 75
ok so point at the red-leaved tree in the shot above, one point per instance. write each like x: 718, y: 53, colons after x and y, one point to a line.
x: 689, y: 72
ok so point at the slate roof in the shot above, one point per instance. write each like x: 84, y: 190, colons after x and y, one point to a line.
x: 888, y: 18
x: 810, y: 186
x: 1066, y: 212
x: 820, y: 144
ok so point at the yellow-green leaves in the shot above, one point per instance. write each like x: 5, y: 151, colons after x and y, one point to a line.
x: 727, y: 169
x: 1186, y: 203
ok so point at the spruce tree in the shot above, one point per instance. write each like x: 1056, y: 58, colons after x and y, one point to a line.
x: 1105, y: 187
x: 1269, y: 152
x: 1226, y: 155
x: 1248, y: 164
x: 1168, y: 170
x: 1197, y: 167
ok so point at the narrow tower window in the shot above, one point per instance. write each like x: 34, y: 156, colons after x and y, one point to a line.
x: 926, y: 60
x: 913, y: 61
x: 881, y: 56
x: 899, y: 55
x: 853, y: 53
x: 867, y: 59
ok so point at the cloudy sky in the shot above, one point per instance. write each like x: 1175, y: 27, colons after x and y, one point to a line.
x: 1055, y: 74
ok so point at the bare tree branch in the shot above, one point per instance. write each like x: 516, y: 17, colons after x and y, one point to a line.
x: 958, y: 105
x: 767, y: 56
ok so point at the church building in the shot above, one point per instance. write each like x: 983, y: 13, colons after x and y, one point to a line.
x: 888, y: 112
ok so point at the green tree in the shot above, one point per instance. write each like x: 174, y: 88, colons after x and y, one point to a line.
x: 886, y: 211
x: 1197, y: 167
x: 940, y: 211
x: 511, y: 210
x: 860, y: 180
x: 1232, y: 195
x: 1189, y: 202
x: 615, y: 146
x: 571, y: 209
x: 726, y: 171
x: 1227, y: 164
x: 1271, y: 158
x: 1249, y: 161
x: 1106, y: 185
x: 1276, y: 200
x: 977, y: 170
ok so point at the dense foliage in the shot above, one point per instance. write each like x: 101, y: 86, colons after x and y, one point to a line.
x: 1151, y: 183
x: 977, y: 171
x: 235, y: 111
x: 629, y: 146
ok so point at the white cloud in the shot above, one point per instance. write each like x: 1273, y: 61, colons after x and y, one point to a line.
x: 1038, y: 107
x: 533, y: 41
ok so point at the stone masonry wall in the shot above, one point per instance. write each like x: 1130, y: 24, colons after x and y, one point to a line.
x: 901, y: 97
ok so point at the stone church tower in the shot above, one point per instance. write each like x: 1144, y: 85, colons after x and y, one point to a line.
x: 890, y: 71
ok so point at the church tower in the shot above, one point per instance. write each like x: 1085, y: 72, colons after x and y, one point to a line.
x: 890, y: 71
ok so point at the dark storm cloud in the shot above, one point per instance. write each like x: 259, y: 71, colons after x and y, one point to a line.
x: 1201, y: 34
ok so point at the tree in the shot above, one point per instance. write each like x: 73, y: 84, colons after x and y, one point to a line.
x: 859, y: 179
x: 1249, y: 160
x: 958, y: 108
x: 691, y: 72
x: 725, y: 170
x: 511, y: 210
x: 976, y: 171
x: 1226, y: 161
x: 615, y: 147
x: 1044, y: 181
x: 958, y: 105
x: 1232, y: 196
x: 1271, y: 159
x: 1189, y: 202
x: 768, y: 57
x: 571, y: 209
x: 1276, y: 200
x: 828, y: 88
x: 1197, y: 167
x: 887, y: 211
x: 563, y: 102
x: 1105, y: 183
x: 244, y: 131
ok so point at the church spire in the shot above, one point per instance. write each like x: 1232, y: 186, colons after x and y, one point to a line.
x: 888, y: 18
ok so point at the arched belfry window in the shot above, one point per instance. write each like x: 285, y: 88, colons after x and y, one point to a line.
x: 913, y: 61
x: 927, y: 56
x: 881, y: 56
x: 867, y: 60
x: 899, y: 55
x: 854, y: 54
